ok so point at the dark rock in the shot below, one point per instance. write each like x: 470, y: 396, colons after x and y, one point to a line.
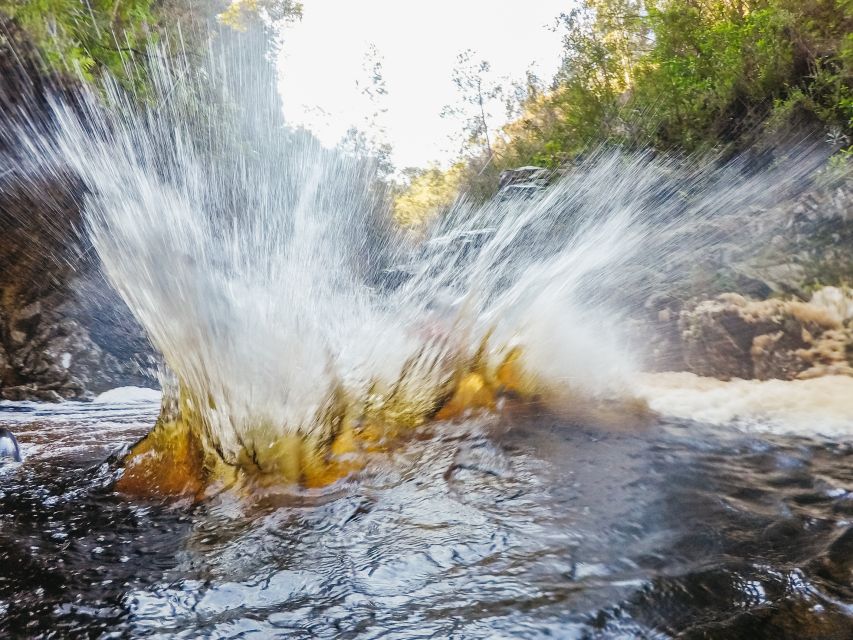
x: 61, y: 355
x: 531, y: 176
x: 716, y: 341
x: 522, y: 182
x: 9, y: 448
x: 734, y: 337
x: 63, y: 332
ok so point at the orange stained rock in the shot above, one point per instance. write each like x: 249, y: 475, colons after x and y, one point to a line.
x: 169, y: 461
x: 472, y: 392
x: 511, y: 376
x: 173, y: 460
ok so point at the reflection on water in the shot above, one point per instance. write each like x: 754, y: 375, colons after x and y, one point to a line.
x: 477, y: 530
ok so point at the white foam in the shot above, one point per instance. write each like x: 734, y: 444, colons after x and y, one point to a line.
x: 124, y: 395
x: 820, y: 406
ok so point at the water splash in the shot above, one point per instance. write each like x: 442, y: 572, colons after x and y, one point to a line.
x: 265, y: 270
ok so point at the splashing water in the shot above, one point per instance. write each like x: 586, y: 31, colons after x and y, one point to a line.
x: 265, y: 271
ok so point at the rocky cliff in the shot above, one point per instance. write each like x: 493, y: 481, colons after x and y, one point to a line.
x: 769, y: 300
x: 63, y: 332
x: 735, y: 337
x: 774, y: 302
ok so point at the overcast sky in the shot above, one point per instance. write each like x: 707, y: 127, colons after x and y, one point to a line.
x: 323, y: 57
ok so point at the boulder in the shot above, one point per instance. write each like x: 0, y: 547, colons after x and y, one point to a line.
x: 732, y: 336
x: 522, y: 182
x: 51, y: 355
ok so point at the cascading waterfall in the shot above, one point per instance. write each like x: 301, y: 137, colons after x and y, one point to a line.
x: 296, y: 320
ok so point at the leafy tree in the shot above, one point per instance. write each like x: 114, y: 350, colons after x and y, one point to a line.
x: 714, y: 71
x: 673, y: 75
x: 370, y: 139
x: 92, y: 37
x: 478, y: 93
x: 428, y: 193
x: 86, y: 36
x: 240, y: 14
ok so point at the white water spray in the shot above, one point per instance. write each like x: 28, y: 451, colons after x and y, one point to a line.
x: 266, y: 270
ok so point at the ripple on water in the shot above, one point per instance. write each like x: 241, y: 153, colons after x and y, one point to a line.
x: 542, y: 530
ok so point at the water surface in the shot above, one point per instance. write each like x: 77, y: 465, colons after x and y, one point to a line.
x: 518, y: 527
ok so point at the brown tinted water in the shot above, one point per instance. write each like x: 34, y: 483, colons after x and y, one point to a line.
x: 526, y: 528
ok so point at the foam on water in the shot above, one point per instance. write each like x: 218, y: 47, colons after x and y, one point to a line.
x: 125, y: 395
x: 819, y: 406
x: 92, y: 430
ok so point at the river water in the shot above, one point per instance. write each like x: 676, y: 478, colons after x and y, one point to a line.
x: 522, y: 526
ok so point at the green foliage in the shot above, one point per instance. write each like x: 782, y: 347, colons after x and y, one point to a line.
x: 92, y: 37
x: 686, y: 75
x: 85, y: 36
x: 241, y: 14
x: 716, y: 72
x: 428, y: 192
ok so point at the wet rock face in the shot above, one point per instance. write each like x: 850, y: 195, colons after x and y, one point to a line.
x: 63, y: 332
x: 784, y: 251
x: 5, y: 365
x: 734, y: 337
x: 50, y: 354
x: 795, y: 245
x: 522, y: 182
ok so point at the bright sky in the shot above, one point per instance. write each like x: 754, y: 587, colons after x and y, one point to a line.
x: 323, y: 57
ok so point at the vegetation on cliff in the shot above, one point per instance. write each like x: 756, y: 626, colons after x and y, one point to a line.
x: 680, y: 75
x: 87, y: 38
